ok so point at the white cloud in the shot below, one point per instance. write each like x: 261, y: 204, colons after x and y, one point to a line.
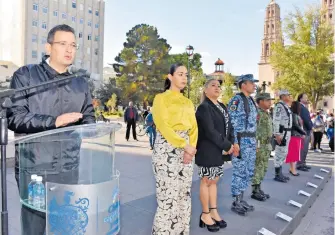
x: 205, y: 54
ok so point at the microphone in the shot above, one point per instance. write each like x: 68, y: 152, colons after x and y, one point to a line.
x: 73, y: 70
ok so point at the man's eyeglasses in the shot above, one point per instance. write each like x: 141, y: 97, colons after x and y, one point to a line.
x: 66, y: 45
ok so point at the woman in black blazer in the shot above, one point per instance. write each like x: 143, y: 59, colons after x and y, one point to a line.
x: 213, y: 149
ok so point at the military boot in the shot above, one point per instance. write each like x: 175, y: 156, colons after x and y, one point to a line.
x: 262, y: 192
x: 278, y: 177
x: 237, y: 206
x: 285, y: 177
x: 246, y: 205
x: 256, y: 194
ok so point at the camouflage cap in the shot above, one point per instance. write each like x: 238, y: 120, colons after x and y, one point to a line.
x: 284, y: 92
x: 246, y: 77
x: 264, y: 96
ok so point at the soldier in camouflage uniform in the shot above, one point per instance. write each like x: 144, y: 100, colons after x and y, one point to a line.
x: 282, y: 125
x: 243, y: 112
x: 263, y: 138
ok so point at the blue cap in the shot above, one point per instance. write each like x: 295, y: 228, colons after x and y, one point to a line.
x: 246, y: 77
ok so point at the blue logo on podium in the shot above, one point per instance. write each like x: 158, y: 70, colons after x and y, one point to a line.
x: 113, y: 217
x: 68, y: 219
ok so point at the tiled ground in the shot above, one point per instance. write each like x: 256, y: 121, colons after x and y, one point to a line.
x: 138, y: 200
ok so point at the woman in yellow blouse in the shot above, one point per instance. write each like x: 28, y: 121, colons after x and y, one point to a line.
x: 173, y: 155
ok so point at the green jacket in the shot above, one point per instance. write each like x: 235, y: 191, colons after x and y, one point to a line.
x: 264, y: 129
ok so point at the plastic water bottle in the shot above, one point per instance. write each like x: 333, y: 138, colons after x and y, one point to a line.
x: 39, y: 193
x: 31, y: 189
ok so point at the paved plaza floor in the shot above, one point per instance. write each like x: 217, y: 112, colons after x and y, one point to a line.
x: 138, y: 201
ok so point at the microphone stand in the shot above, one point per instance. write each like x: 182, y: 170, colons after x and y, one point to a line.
x: 5, y: 103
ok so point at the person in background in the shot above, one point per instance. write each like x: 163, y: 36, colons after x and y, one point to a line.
x: 213, y: 149
x: 264, y: 147
x: 173, y: 155
x: 330, y: 135
x: 151, y: 129
x: 308, y: 126
x: 130, y: 118
x: 297, y: 136
x: 318, y: 130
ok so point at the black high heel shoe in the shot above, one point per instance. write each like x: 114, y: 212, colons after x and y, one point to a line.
x: 211, y: 228
x: 222, y: 223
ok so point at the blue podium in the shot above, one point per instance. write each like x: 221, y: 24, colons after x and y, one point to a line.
x: 81, y: 183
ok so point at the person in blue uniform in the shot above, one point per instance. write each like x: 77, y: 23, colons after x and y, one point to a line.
x: 243, y: 112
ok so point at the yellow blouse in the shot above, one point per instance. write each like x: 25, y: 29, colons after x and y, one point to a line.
x: 173, y: 112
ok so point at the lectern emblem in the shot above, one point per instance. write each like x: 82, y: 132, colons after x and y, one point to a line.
x: 113, y: 211
x: 67, y: 218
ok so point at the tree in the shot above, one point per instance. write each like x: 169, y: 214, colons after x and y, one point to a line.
x: 307, y: 64
x: 227, y: 88
x: 108, y: 88
x: 197, y: 85
x: 142, y: 64
x: 195, y: 61
x: 111, y: 103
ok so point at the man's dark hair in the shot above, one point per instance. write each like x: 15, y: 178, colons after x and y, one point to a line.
x: 57, y: 28
x: 300, y: 97
x: 258, y: 100
x: 240, y: 85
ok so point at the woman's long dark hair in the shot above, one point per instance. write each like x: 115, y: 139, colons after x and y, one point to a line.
x: 296, y: 107
x: 173, y: 69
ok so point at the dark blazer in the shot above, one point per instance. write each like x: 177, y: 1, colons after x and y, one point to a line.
x: 127, y: 114
x: 297, y: 130
x: 212, y: 137
x: 305, y: 116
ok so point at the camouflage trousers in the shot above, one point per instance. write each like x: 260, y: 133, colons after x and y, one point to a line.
x: 261, y: 164
x: 281, y: 152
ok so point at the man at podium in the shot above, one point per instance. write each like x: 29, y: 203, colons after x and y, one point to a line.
x: 50, y: 107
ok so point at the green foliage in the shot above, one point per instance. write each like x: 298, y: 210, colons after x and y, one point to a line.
x: 227, y: 88
x: 111, y: 103
x: 108, y: 88
x: 142, y: 64
x: 306, y: 64
x: 196, y: 87
x: 195, y: 61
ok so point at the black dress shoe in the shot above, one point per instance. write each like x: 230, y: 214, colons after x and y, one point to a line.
x: 221, y: 223
x: 307, y: 167
x: 296, y: 174
x: 302, y: 168
x: 210, y: 227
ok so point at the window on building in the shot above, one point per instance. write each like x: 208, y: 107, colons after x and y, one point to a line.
x: 269, y: 13
x: 326, y: 2
x: 97, y: 13
x: 45, y: 10
x: 96, y: 26
x: 273, y: 26
x: 80, y: 35
x: 330, y: 16
x: 325, y: 103
x: 35, y: 7
x: 81, y: 7
x: 81, y: 21
x: 96, y: 38
x: 34, y: 54
x: 73, y: 19
x: 43, y: 40
x: 267, y: 49
x: 88, y: 51
x: 89, y: 37
x: 44, y: 25
x: 55, y: 13
x: 35, y: 23
x: 34, y: 38
x: 330, y: 2
x: 272, y: 12
x: 74, y: 4
x: 269, y: 83
x: 90, y: 10
x: 96, y: 51
x: 63, y: 15
x: 89, y: 23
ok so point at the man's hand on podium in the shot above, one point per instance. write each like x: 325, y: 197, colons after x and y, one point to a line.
x: 67, y: 118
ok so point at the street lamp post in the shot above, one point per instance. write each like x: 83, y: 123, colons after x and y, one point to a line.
x: 189, y: 52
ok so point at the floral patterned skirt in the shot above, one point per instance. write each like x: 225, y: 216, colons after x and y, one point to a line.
x: 173, y: 188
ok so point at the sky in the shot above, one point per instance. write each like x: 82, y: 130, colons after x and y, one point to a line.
x: 229, y: 30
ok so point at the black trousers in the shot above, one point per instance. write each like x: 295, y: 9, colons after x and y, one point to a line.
x: 131, y: 123
x: 317, y: 139
x: 34, y: 222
